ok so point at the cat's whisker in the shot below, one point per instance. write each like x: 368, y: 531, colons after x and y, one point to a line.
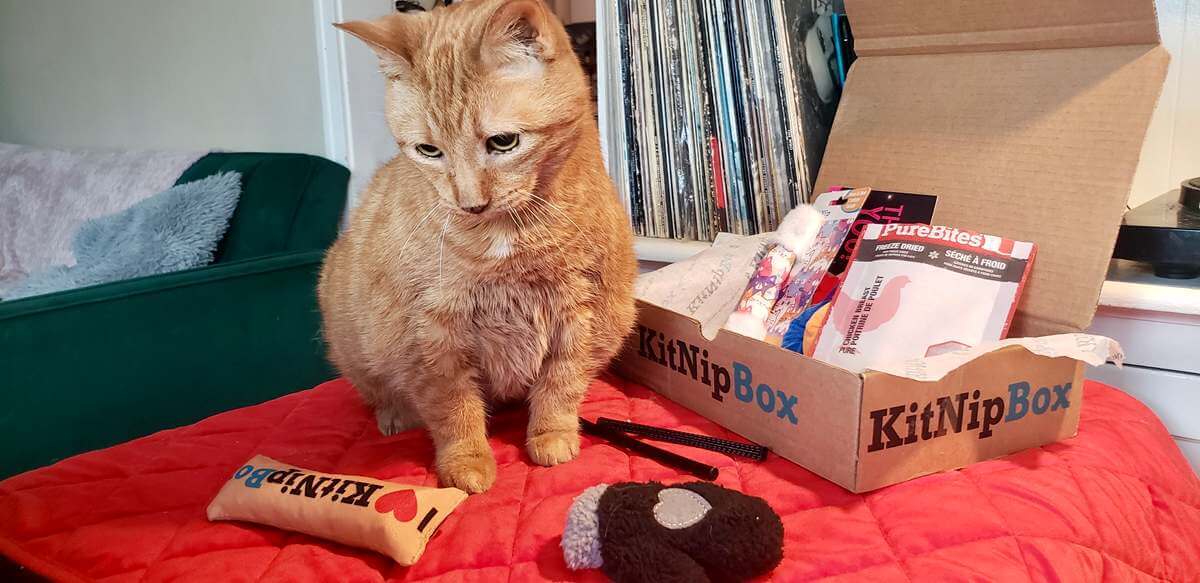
x: 528, y: 228
x: 517, y: 223
x: 558, y: 210
x: 442, y: 250
x: 516, y: 219
x: 548, y: 233
x: 411, y: 234
x: 551, y: 206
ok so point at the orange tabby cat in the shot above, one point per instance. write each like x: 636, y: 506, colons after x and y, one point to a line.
x: 490, y: 260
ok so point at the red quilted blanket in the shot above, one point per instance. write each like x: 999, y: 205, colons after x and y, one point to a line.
x: 1116, y: 503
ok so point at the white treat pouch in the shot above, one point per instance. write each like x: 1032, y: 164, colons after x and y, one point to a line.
x: 917, y: 290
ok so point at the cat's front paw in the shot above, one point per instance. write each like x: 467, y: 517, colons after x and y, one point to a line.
x: 553, y: 447
x: 471, y: 471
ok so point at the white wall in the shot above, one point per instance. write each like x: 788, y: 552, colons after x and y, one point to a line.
x: 370, y: 143
x: 232, y: 74
x: 1172, y: 151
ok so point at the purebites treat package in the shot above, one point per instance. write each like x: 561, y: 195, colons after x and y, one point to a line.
x: 394, y: 519
x: 915, y: 291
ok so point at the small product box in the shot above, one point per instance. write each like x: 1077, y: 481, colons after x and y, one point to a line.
x: 1027, y: 124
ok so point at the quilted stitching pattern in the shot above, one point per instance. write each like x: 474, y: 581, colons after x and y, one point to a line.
x: 1116, y: 503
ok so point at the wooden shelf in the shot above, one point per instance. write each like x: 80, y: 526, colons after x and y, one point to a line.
x: 666, y: 250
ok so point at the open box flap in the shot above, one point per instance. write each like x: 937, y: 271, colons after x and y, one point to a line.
x: 896, y: 27
x: 1034, y: 145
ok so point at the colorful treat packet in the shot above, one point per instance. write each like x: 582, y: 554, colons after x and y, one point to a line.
x: 393, y: 519
x: 794, y: 236
x: 812, y: 328
x: 914, y: 291
x: 749, y: 318
x: 838, y: 209
x: 882, y: 207
x: 801, y: 334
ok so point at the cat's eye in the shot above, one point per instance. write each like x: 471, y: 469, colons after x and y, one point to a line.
x: 428, y: 150
x: 500, y: 143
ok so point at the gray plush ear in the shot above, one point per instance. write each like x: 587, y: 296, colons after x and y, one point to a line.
x: 581, y: 535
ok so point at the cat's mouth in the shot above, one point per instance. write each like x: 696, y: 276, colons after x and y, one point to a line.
x: 481, y: 217
x: 499, y: 209
x: 515, y: 212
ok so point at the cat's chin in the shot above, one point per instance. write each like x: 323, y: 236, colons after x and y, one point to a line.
x: 496, y: 235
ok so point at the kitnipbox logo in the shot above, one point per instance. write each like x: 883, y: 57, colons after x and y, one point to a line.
x: 401, y: 504
x: 689, y: 360
x: 955, y: 413
x: 299, y: 483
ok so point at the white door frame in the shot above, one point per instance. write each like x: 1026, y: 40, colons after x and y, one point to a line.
x: 352, y: 92
x: 332, y: 73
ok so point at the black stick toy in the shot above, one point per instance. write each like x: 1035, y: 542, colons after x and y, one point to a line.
x: 674, y: 460
x: 747, y: 450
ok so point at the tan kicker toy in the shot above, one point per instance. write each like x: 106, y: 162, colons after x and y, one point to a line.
x: 393, y: 519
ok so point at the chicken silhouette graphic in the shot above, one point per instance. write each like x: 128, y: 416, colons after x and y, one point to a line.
x: 885, y: 306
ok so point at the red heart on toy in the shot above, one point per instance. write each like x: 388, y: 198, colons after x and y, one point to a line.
x: 401, y: 503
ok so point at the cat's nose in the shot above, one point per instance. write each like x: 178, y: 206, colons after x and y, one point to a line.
x: 478, y: 208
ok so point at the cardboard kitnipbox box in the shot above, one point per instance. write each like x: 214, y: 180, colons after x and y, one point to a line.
x: 1026, y: 118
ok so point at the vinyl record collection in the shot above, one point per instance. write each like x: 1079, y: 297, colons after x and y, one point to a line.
x: 718, y: 110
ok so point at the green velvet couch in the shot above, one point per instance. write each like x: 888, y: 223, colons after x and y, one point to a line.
x: 92, y: 367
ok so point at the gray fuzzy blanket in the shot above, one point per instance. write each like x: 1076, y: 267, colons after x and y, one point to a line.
x: 45, y: 195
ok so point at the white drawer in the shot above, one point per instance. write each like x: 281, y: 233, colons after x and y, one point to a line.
x: 1158, y: 341
x: 1173, y: 396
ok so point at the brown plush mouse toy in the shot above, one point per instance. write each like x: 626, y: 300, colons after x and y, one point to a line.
x: 692, y: 532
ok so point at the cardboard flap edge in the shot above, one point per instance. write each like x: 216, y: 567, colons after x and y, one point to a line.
x: 874, y: 375
x: 883, y: 27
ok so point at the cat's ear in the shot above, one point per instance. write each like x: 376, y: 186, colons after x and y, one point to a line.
x: 520, y: 36
x: 391, y: 37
